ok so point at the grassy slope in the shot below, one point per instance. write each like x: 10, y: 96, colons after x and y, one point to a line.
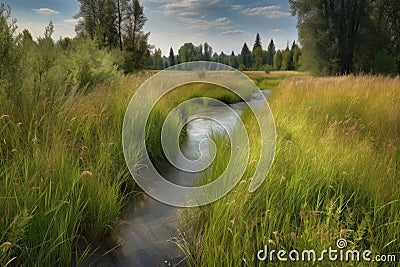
x: 336, y: 174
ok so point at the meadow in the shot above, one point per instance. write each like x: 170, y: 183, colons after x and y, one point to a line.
x: 64, y: 180
x: 336, y: 175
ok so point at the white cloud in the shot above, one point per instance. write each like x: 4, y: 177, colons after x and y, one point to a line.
x: 222, y: 23
x: 237, y: 7
x: 270, y: 12
x: 198, y: 6
x: 71, y: 21
x: 231, y: 32
x: 188, y: 14
x: 170, y: 7
x: 45, y: 11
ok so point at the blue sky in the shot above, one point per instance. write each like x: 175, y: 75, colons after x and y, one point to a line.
x: 224, y: 24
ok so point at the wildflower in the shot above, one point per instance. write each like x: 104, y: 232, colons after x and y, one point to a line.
x: 233, y: 221
x: 276, y: 234
x: 86, y: 173
x: 272, y: 242
x: 283, y: 179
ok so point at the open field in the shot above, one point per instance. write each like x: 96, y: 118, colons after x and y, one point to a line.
x: 336, y: 175
x: 272, y: 80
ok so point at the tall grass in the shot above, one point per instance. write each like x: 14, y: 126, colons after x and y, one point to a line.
x: 63, y: 177
x: 336, y: 175
x: 64, y: 180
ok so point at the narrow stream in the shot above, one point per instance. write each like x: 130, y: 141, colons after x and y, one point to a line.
x: 148, y: 225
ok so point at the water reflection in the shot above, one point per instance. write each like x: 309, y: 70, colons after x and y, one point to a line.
x: 148, y: 226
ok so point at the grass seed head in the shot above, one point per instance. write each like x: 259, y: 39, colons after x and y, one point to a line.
x: 86, y: 173
x: 5, y: 245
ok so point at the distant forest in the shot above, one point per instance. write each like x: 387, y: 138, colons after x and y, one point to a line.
x: 336, y: 37
x: 255, y: 59
x: 119, y: 24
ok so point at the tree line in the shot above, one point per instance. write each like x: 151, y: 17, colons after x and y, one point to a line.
x: 349, y: 36
x: 256, y: 59
x: 336, y: 36
x: 116, y: 24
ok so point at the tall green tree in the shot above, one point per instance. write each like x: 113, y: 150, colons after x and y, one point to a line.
x: 99, y: 21
x: 287, y: 59
x: 208, y: 51
x: 223, y: 58
x: 186, y: 52
x: 215, y: 57
x: 328, y: 31
x: 198, y: 53
x: 90, y: 17
x: 257, y: 56
x: 121, y: 12
x: 387, y: 15
x: 233, y: 62
x: 245, y: 56
x: 111, y: 36
x: 158, y: 63
x: 189, y: 52
x: 271, y: 53
x: 296, y: 55
x: 135, y: 40
x: 278, y: 59
x: 171, y: 59
x: 257, y: 42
